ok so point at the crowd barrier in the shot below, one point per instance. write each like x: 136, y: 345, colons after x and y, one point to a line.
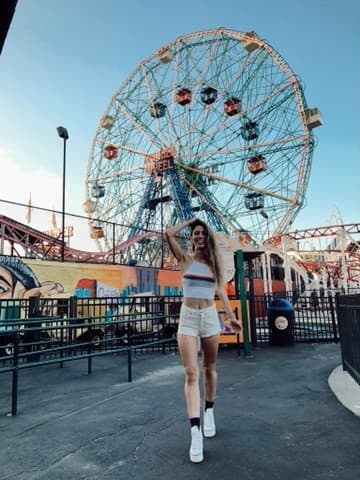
x: 348, y: 310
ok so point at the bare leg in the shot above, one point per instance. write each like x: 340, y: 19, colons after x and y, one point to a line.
x: 210, y: 346
x: 189, y: 356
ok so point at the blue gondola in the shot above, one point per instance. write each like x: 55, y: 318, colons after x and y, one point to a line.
x: 157, y: 110
x: 98, y: 191
x: 208, y: 95
x: 250, y: 131
x: 253, y: 201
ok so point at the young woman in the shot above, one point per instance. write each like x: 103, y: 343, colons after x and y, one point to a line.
x: 202, y: 279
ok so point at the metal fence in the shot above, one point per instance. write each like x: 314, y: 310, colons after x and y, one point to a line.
x: 348, y: 310
x: 37, y: 332
x: 43, y: 331
x: 315, y: 318
x: 95, y: 318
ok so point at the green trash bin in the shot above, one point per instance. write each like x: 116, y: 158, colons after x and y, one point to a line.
x: 281, y: 316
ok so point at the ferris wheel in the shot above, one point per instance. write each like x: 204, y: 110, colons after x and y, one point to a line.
x: 214, y: 125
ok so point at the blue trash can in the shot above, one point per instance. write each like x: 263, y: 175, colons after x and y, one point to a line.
x: 281, y: 317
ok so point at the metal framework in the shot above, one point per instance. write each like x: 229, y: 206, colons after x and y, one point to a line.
x: 37, y: 244
x: 229, y: 116
x: 334, y: 264
x: 326, y: 231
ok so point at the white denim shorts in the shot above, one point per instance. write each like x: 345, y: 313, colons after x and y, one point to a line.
x: 195, y: 322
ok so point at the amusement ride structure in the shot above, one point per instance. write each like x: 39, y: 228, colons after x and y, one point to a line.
x: 214, y: 125
x: 334, y: 264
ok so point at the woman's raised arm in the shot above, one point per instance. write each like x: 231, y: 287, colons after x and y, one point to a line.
x: 170, y: 236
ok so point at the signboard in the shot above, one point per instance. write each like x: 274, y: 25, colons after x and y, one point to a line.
x: 160, y: 161
x: 227, y: 334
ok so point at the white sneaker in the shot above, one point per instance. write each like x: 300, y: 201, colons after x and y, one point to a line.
x: 196, y: 448
x: 209, y: 423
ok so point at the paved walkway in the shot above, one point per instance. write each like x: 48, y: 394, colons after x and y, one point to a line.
x: 277, y: 420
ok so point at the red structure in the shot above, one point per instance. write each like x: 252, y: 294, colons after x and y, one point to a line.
x: 40, y: 245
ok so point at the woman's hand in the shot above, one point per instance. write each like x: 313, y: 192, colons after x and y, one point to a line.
x: 171, y: 237
x: 232, y: 322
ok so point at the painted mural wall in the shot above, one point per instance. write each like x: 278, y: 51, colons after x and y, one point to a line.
x: 22, y: 278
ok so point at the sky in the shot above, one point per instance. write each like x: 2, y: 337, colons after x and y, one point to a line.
x: 63, y: 61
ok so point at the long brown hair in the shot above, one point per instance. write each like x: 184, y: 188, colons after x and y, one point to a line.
x: 211, y: 252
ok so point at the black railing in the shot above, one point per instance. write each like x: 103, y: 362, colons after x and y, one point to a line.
x: 348, y: 311
x: 86, y: 328
x: 43, y: 331
x: 315, y: 317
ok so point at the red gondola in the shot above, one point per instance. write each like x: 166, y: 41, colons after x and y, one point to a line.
x: 96, y: 232
x: 256, y: 164
x: 183, y: 96
x: 110, y: 152
x: 232, y: 106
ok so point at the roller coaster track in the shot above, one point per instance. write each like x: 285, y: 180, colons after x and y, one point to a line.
x: 327, y: 231
x: 37, y: 244
x: 332, y: 261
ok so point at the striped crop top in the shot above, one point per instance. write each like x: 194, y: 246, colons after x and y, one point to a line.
x: 198, y: 281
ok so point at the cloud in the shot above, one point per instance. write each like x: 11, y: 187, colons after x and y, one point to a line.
x: 17, y: 182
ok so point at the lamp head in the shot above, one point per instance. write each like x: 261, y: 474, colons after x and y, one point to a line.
x: 62, y: 132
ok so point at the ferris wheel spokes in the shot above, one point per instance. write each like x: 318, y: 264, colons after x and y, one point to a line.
x: 139, y: 126
x: 240, y: 184
x: 235, y: 116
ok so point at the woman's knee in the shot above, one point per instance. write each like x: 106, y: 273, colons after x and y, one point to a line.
x: 191, y: 374
x: 209, y: 369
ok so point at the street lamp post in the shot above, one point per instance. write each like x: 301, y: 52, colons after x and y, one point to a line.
x: 162, y: 220
x: 63, y: 133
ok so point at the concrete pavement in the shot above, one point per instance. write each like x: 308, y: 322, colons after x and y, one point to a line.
x: 276, y: 416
